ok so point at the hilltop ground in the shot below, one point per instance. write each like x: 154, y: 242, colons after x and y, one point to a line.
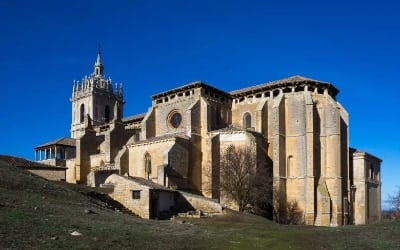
x: 39, y: 214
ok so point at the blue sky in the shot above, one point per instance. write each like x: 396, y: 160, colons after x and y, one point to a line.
x: 152, y: 46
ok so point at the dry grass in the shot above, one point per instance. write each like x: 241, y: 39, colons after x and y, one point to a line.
x: 38, y: 214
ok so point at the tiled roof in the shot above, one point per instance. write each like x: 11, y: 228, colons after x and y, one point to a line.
x: 265, y: 86
x: 69, y: 142
x: 230, y: 129
x: 354, y: 151
x: 163, y: 137
x: 134, y: 117
x: 233, y: 129
x: 278, y: 83
x: 196, y: 84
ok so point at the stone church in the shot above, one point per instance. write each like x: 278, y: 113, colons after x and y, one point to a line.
x: 298, y: 128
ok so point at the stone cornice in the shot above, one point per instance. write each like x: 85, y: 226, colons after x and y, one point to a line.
x: 190, y: 86
x: 293, y: 81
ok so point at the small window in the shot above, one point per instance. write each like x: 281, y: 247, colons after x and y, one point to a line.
x: 289, y: 166
x: 371, y: 172
x: 136, y: 194
x: 299, y: 89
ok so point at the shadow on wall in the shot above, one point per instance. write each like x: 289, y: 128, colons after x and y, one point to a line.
x: 294, y: 215
x: 287, y: 212
x: 177, y: 181
x: 182, y: 205
x: 95, y: 178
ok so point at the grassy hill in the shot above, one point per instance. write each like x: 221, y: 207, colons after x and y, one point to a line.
x: 39, y: 214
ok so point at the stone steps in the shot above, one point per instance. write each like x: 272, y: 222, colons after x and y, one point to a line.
x: 106, y: 201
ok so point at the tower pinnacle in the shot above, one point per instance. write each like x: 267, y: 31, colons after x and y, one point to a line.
x: 98, y: 66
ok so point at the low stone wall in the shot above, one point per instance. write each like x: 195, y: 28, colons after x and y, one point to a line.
x: 53, y: 174
x: 54, y: 162
x: 198, y: 202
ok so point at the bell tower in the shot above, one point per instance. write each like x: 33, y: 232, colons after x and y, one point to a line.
x: 94, y: 96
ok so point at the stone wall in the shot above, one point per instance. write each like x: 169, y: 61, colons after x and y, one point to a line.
x: 206, y: 205
x: 148, y: 202
x: 239, y: 109
x: 53, y: 174
x: 54, y: 162
x: 85, y: 146
x: 195, y: 134
x: 116, y: 139
x: 164, y: 111
x: 122, y: 193
x: 96, y: 178
x: 172, y: 152
x: 70, y: 173
x: 148, y: 125
x: 97, y: 160
x: 367, y: 187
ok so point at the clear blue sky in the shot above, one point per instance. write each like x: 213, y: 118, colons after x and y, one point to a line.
x: 152, y: 46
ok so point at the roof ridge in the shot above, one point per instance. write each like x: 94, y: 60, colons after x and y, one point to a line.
x: 293, y: 78
x: 68, y: 142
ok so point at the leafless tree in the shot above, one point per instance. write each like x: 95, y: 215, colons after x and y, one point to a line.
x: 394, y: 202
x: 245, y: 181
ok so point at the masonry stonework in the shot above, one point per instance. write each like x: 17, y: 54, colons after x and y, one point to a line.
x: 296, y: 125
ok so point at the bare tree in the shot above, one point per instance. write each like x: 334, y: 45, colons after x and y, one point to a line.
x: 394, y: 202
x: 243, y: 180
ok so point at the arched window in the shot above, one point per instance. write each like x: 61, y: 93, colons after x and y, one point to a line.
x: 147, y: 166
x: 107, y: 114
x: 230, y: 149
x: 82, y: 113
x: 289, y: 166
x: 247, y: 120
x: 229, y: 153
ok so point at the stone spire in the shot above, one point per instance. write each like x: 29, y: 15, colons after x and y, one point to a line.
x: 98, y: 66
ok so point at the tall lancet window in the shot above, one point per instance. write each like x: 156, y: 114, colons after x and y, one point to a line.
x: 82, y: 113
x: 247, y: 120
x: 107, y: 114
x: 147, y: 166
